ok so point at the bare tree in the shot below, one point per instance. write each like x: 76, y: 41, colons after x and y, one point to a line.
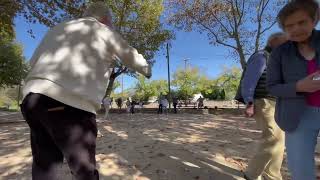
x: 239, y: 25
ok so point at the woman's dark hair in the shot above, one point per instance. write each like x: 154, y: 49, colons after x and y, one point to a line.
x: 309, y: 6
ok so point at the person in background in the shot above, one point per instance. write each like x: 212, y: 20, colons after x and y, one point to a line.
x: 165, y: 103
x: 160, y: 104
x: 106, y: 103
x: 128, y: 104
x: 200, y: 102
x: 132, y: 106
x: 119, y: 102
x: 175, y: 103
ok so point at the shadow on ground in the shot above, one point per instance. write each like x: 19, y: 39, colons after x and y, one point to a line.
x: 149, y: 146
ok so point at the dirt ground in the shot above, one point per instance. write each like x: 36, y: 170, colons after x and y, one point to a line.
x: 149, y: 146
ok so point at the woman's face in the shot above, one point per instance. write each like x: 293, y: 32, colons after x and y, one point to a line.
x: 299, y: 26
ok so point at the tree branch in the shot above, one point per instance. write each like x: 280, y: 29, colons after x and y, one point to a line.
x: 269, y: 27
x: 240, y: 11
x: 222, y: 25
x: 212, y: 32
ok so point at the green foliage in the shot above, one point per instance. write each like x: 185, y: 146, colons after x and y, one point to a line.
x: 225, y: 86
x: 44, y: 12
x: 8, y: 97
x: 214, y: 93
x: 190, y: 82
x: 124, y: 95
x: 187, y: 82
x: 160, y: 86
x: 145, y: 89
x: 8, y: 11
x: 13, y: 68
x: 138, y: 21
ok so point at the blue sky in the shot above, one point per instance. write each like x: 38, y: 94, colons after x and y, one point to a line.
x: 192, y: 45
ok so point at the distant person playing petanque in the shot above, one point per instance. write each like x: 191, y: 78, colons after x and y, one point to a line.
x: 119, y: 102
x: 200, y: 102
x: 175, y: 103
x: 160, y: 109
x: 133, y: 104
x: 107, y: 104
x: 164, y: 104
x: 128, y: 105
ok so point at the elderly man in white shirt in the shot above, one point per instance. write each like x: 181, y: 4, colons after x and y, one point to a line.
x: 64, y: 89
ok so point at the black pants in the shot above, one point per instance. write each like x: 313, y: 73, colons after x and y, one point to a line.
x: 132, y: 109
x: 175, y: 107
x: 160, y: 109
x: 59, y: 131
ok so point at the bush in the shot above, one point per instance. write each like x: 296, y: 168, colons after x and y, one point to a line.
x: 8, y: 98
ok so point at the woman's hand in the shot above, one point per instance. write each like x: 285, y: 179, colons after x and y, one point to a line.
x: 308, y: 84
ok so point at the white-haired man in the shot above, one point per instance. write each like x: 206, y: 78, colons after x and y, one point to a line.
x: 70, y: 69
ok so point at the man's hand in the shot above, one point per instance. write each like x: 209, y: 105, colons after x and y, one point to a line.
x: 148, y: 76
x: 249, y: 110
x: 148, y: 72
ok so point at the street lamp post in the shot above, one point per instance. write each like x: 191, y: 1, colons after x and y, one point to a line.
x: 169, y: 88
x: 19, y: 86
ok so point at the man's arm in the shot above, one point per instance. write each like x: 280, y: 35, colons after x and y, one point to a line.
x: 254, y: 70
x: 128, y: 55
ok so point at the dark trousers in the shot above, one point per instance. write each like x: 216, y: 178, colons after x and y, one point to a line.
x: 160, y: 109
x: 132, y: 109
x: 59, y: 131
x: 175, y: 107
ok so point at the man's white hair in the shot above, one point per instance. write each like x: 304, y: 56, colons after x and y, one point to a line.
x: 273, y: 36
x: 97, y: 10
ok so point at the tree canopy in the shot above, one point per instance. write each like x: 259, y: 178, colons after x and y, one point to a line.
x: 13, y: 67
x: 138, y: 21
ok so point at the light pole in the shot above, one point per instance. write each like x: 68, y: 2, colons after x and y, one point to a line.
x: 122, y: 85
x: 19, y: 86
x: 169, y: 88
x: 185, y: 77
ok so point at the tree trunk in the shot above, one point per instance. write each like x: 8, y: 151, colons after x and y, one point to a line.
x: 112, y: 78
x: 242, y: 60
x: 240, y: 49
x: 110, y: 86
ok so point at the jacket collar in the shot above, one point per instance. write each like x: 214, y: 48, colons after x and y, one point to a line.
x: 315, y: 37
x: 314, y: 42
